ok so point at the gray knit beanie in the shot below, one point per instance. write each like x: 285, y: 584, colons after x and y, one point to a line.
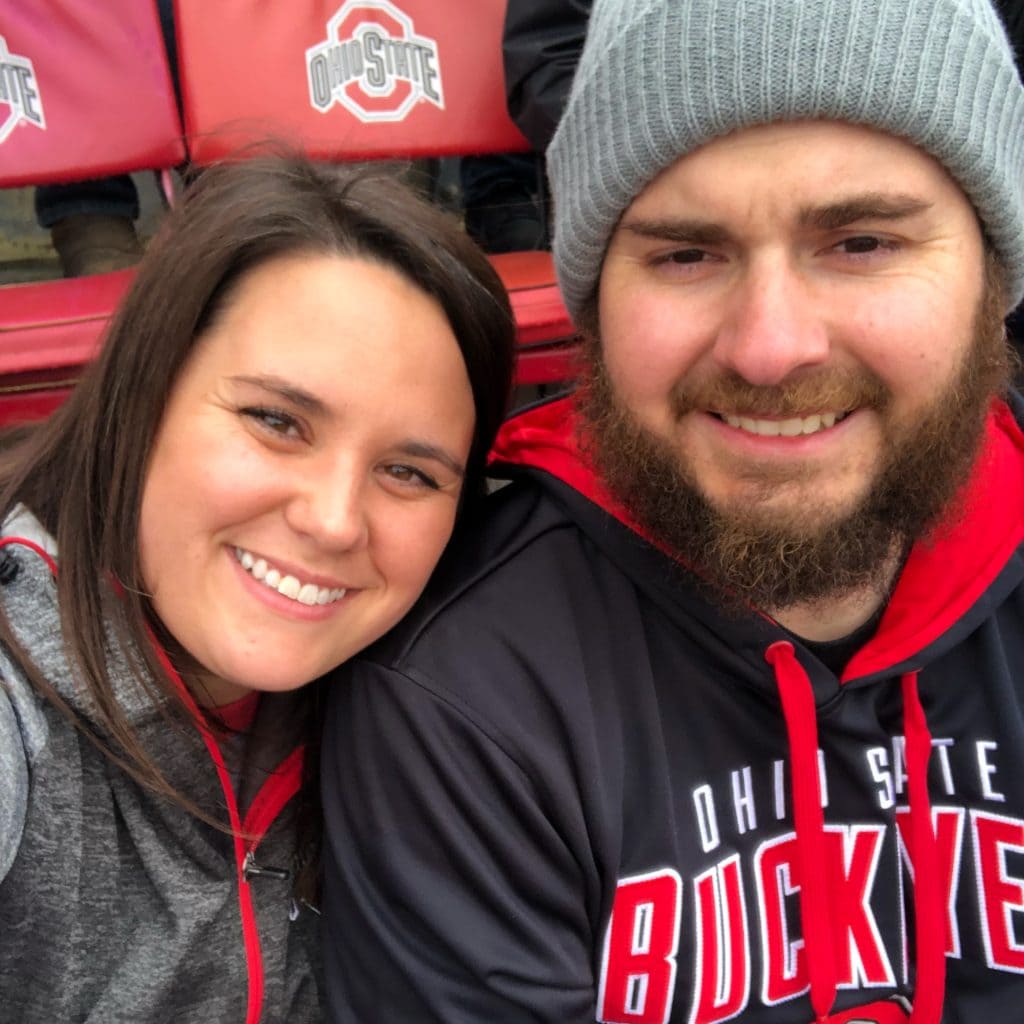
x: 658, y: 78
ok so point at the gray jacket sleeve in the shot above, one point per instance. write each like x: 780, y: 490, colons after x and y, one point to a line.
x: 23, y: 733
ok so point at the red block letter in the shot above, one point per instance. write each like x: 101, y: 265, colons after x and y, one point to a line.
x: 1002, y: 895
x: 638, y: 975
x: 784, y: 974
x: 853, y: 859
x: 949, y: 832
x: 723, y: 967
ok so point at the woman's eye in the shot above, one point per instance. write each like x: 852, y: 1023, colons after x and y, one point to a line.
x: 273, y: 420
x: 409, y: 475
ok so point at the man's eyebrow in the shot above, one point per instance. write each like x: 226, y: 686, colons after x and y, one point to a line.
x: 826, y: 217
x: 870, y: 206
x: 689, y: 232
x: 289, y: 392
x: 424, y: 450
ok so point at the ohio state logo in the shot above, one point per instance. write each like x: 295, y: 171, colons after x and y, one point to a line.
x: 373, y: 64
x: 19, y: 92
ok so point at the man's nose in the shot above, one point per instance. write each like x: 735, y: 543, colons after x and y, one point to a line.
x: 772, y: 325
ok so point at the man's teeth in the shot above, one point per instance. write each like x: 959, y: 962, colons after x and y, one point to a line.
x: 785, y: 428
x: 289, y: 586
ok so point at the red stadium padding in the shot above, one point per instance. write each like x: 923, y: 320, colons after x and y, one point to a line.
x: 94, y: 97
x: 345, y: 79
x: 547, y: 349
x: 57, y: 324
x: 541, y: 317
x: 86, y: 92
x: 35, y: 402
x: 48, y: 336
x: 368, y: 79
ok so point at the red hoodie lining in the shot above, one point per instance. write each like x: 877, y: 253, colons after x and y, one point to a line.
x: 32, y: 545
x: 942, y: 581
x: 239, y: 715
x: 284, y: 783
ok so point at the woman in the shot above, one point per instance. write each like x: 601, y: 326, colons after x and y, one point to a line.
x: 253, y: 482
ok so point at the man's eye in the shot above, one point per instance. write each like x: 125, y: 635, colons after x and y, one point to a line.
x: 686, y: 256
x: 862, y: 244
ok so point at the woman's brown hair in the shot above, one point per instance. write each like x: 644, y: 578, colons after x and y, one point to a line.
x: 82, y: 472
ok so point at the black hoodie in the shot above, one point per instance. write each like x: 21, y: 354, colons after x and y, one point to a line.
x: 572, y: 787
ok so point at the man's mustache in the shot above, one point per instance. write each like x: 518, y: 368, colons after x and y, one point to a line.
x: 802, y: 394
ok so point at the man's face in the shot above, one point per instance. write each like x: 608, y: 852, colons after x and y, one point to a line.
x: 793, y: 320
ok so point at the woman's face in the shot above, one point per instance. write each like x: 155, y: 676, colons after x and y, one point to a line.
x: 306, y: 474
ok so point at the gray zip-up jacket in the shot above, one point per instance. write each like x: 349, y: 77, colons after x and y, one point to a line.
x: 117, y: 905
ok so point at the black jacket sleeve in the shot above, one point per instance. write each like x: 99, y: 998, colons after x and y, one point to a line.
x: 542, y: 44
x: 450, y: 894
x: 1012, y: 12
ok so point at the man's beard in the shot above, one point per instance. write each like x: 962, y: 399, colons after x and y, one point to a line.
x: 777, y: 558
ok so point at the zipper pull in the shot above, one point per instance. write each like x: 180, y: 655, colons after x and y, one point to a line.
x: 297, y: 908
x: 250, y: 869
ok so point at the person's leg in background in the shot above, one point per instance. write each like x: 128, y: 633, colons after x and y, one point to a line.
x: 502, y: 195
x: 91, y: 223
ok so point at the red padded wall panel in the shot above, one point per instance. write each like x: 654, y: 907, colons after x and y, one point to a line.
x: 345, y: 79
x: 85, y: 91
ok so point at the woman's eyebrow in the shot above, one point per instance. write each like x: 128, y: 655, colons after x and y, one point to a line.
x: 307, y: 400
x: 290, y: 392
x: 425, y: 450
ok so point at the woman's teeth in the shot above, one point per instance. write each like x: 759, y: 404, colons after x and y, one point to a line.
x: 288, y: 586
x: 785, y: 428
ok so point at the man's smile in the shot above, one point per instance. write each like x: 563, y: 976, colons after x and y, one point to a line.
x: 789, y: 427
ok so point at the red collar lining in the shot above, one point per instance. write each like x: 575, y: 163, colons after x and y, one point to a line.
x: 239, y: 715
x: 941, y: 581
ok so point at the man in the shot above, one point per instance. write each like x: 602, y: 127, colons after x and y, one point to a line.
x: 720, y: 715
